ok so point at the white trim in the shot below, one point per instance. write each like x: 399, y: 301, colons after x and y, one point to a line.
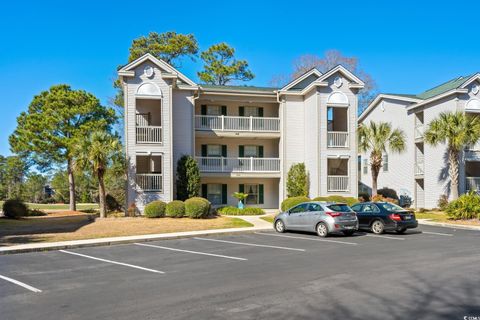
x: 301, y: 78
x: 359, y: 83
x: 336, y: 92
x: 435, y: 98
x: 382, y: 97
x: 148, y: 96
x: 472, y: 100
x: 476, y: 76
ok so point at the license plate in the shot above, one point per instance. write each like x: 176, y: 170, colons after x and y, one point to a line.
x: 348, y: 227
x: 408, y: 217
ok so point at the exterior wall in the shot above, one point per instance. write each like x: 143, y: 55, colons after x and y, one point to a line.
x: 271, y: 189
x: 270, y: 146
x: 269, y: 109
x: 400, y: 174
x: 311, y: 137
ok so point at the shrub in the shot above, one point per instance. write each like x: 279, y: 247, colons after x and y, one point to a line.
x: 388, y: 193
x: 197, y: 208
x: 15, y: 209
x: 175, y: 209
x: 350, y: 201
x: 292, y: 202
x: 132, y: 210
x: 112, y: 203
x: 467, y: 206
x: 234, y: 211
x: 380, y: 198
x: 442, y: 202
x: 363, y: 197
x: 35, y: 213
x: 297, y: 181
x: 188, y: 178
x: 155, y: 209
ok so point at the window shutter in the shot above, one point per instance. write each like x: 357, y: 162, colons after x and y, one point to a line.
x: 241, y: 111
x: 224, y: 110
x: 260, y: 194
x: 224, y: 194
x: 241, y: 151
x: 260, y: 151
x: 203, y: 110
x: 204, y: 190
x: 241, y: 188
x: 260, y: 112
x: 224, y: 150
x: 204, y: 150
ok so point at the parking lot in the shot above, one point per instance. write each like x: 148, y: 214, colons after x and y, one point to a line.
x: 427, y: 273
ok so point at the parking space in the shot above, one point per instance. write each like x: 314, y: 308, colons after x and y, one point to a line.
x: 228, y: 270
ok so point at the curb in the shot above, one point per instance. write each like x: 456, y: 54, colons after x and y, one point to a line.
x: 447, y: 225
x: 37, y: 247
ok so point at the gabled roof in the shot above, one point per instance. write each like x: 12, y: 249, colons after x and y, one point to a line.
x: 299, y: 79
x: 400, y: 97
x: 339, y: 68
x: 127, y: 71
x: 238, y: 88
x: 455, y: 83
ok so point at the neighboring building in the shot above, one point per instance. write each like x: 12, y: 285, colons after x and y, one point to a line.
x: 422, y: 170
x: 244, y: 138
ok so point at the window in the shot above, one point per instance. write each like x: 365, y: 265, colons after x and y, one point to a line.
x: 365, y: 166
x: 359, y: 165
x: 214, y: 150
x: 300, y: 208
x: 339, y: 208
x: 214, y: 193
x: 251, y: 151
x: 252, y: 190
x: 252, y: 112
x: 357, y: 207
x: 391, y: 207
x: 214, y: 111
x: 314, y: 207
x: 385, y: 163
x: 370, y: 208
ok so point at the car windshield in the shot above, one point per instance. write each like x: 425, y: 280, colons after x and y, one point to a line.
x: 339, y: 207
x: 391, y: 207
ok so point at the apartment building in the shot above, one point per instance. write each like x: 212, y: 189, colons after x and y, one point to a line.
x: 422, y: 170
x: 244, y: 138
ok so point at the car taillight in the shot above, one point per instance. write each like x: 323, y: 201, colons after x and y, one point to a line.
x: 334, y: 214
x: 395, y: 217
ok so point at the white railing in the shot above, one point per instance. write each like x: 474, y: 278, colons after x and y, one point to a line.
x: 419, y: 168
x: 149, y: 181
x: 419, y: 131
x: 220, y: 164
x: 337, y: 139
x: 475, y: 147
x: 472, y: 183
x: 228, y: 123
x: 337, y: 183
x: 149, y: 134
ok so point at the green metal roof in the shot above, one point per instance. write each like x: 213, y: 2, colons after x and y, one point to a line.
x: 402, y: 95
x: 444, y: 87
x: 239, y: 88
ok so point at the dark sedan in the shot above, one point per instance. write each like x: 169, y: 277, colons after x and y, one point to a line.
x: 384, y: 216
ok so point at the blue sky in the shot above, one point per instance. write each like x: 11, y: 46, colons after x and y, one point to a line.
x: 407, y: 46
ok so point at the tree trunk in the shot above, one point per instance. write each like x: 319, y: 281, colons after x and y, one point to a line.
x: 453, y: 172
x: 71, y: 185
x: 101, y: 196
x: 376, y: 164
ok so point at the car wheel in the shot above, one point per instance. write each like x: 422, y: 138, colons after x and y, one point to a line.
x: 377, y: 227
x: 401, y: 230
x: 322, y: 230
x: 279, y: 226
x: 348, y: 232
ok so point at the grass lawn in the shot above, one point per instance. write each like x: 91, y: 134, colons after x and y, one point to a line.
x: 59, y: 206
x: 268, y: 218
x: 69, y: 225
x: 440, y: 216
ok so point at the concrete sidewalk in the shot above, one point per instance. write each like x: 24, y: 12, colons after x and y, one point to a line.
x: 31, y: 247
x: 428, y: 222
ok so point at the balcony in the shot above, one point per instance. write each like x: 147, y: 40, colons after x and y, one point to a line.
x: 337, y: 139
x: 149, y: 134
x: 472, y: 183
x: 149, y: 182
x: 472, y: 153
x: 419, y: 130
x: 419, y: 169
x: 237, y: 125
x: 337, y: 183
x: 238, y: 165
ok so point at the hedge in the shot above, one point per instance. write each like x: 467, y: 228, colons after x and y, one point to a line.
x: 467, y: 206
x: 155, y: 209
x: 292, y: 202
x: 175, y: 209
x: 234, y: 211
x: 197, y: 207
x: 350, y: 201
x: 15, y: 209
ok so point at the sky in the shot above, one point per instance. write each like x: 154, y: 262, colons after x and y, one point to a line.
x: 406, y: 46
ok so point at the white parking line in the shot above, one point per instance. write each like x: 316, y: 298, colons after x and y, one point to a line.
x: 113, y: 262
x: 251, y: 244
x: 303, y: 238
x: 188, y: 251
x: 438, y: 233
x: 21, y: 284
x: 384, y: 237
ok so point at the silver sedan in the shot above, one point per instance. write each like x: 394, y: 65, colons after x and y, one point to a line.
x: 320, y: 217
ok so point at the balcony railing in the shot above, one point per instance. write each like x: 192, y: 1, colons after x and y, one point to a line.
x: 337, y: 139
x: 337, y: 183
x: 472, y: 183
x: 220, y: 164
x: 419, y: 131
x: 149, y: 181
x: 149, y: 134
x: 228, y: 123
x: 419, y: 168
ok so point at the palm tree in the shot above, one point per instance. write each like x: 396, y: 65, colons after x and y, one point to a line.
x: 457, y: 130
x: 378, y: 138
x: 95, y: 153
